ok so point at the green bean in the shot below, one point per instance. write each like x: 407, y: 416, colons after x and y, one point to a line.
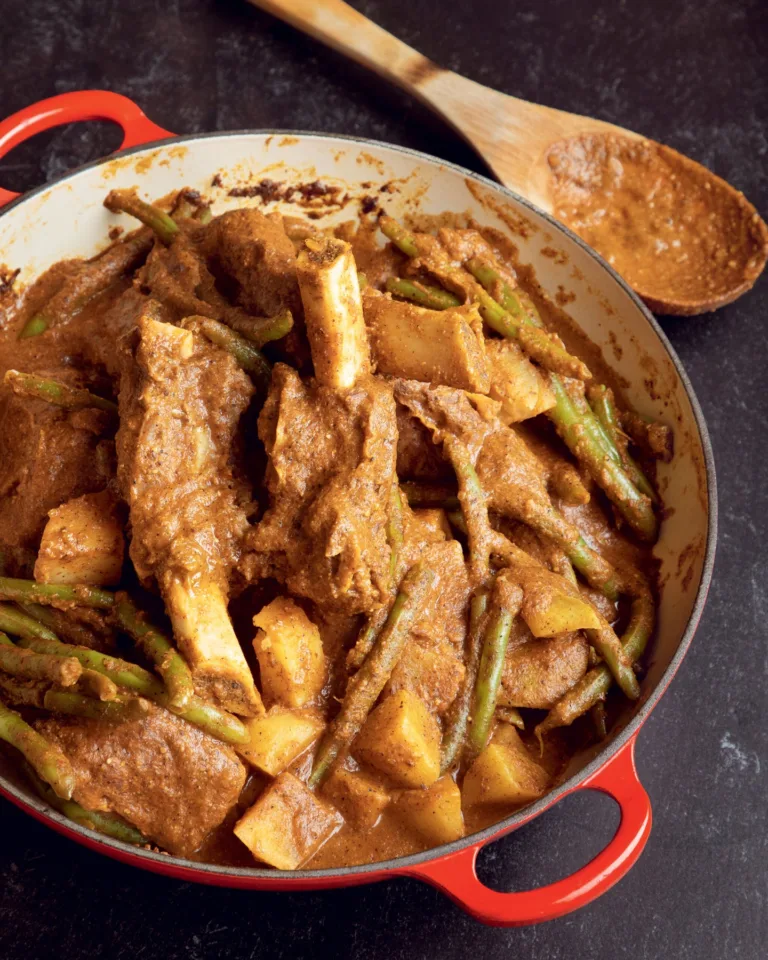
x: 218, y: 723
x: 122, y: 672
x: 609, y: 647
x: 399, y: 236
x: 16, y: 622
x: 457, y: 721
x: 108, y: 824
x: 367, y: 638
x: 602, y: 403
x: 246, y: 354
x: 425, y: 295
x: 474, y: 505
x: 37, y: 666
x: 259, y: 330
x: 365, y: 686
x: 584, y: 437
x: 506, y: 600
x: 90, y: 279
x: 55, y: 594
x: 593, y: 686
x: 123, y: 710
x: 395, y: 530
x: 45, y: 758
x: 63, y: 625
x: 158, y: 221
x: 170, y: 664
x: 58, y: 394
x: 501, y: 291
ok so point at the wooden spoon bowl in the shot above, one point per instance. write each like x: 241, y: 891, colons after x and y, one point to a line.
x: 687, y: 241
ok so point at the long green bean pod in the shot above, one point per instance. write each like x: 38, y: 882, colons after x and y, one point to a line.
x: 506, y: 600
x: 92, y: 278
x: 474, y: 505
x: 59, y: 394
x: 425, y: 295
x: 159, y: 222
x: 514, y: 300
x: 367, y: 638
x: 55, y: 594
x: 122, y: 672
x: 29, y: 665
x: 17, y: 623
x: 45, y: 758
x: 365, y: 686
x: 123, y: 710
x: 593, y: 686
x: 108, y: 824
x: 171, y: 666
x: 457, y: 720
x: 66, y: 626
x: 603, y: 406
x: 259, y: 330
x: 584, y: 438
x: 247, y: 355
x: 401, y: 238
x: 395, y: 532
x: 609, y: 647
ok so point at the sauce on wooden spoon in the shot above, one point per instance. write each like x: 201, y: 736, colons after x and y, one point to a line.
x: 680, y: 236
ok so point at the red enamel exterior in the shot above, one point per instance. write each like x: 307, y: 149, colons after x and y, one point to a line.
x: 454, y: 873
x: 72, y: 107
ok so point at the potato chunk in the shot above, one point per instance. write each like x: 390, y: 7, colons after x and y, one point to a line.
x: 520, y: 386
x: 278, y: 738
x: 82, y: 542
x: 434, y: 813
x: 504, y: 773
x: 438, y: 346
x: 401, y: 739
x: 359, y: 798
x: 552, y: 605
x: 290, y: 653
x: 287, y: 824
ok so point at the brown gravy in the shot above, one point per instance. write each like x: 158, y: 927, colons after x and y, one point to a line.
x: 671, y: 233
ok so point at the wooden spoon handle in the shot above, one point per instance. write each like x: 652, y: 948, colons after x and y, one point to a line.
x: 343, y: 28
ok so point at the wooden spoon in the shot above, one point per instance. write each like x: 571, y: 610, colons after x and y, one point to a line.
x: 686, y: 240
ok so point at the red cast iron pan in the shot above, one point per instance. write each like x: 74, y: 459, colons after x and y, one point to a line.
x: 450, y: 868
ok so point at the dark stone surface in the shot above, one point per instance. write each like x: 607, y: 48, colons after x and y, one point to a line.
x: 691, y: 73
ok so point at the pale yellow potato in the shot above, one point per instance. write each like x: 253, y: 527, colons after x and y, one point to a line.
x: 82, y: 542
x: 401, y: 739
x: 287, y: 824
x: 360, y: 799
x: 552, y: 605
x: 521, y: 387
x: 290, y: 653
x: 437, y: 346
x: 504, y: 773
x: 434, y: 813
x: 277, y: 738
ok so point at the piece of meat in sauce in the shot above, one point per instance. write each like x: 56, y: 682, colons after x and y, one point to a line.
x: 181, y: 399
x: 172, y: 781
x: 50, y: 455
x: 331, y: 470
x: 253, y: 250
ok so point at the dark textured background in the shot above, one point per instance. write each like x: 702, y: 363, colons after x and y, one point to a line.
x: 691, y: 73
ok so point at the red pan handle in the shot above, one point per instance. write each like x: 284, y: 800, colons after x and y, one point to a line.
x: 69, y: 107
x: 456, y: 875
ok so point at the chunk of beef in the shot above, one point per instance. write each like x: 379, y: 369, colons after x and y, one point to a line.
x: 254, y: 250
x: 181, y: 399
x: 173, y: 782
x: 331, y: 470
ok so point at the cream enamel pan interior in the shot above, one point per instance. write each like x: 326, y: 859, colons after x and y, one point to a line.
x: 68, y: 219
